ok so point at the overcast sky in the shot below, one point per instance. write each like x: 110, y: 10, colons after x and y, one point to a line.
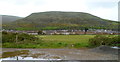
x: 107, y: 9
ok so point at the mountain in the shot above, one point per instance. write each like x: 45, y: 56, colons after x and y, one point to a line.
x: 9, y: 18
x: 62, y: 20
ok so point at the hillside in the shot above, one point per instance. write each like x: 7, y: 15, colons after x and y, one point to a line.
x: 9, y: 18
x: 61, y: 20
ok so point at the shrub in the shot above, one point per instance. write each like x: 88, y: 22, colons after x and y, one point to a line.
x: 77, y: 45
x: 115, y: 41
x: 104, y: 40
x: 8, y: 37
x: 21, y: 37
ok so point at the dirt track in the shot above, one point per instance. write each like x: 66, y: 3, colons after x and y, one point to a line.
x: 72, y: 54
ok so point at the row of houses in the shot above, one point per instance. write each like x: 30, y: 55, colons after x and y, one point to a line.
x: 66, y: 32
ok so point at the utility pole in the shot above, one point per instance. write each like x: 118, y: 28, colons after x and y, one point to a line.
x: 17, y: 58
x: 16, y: 38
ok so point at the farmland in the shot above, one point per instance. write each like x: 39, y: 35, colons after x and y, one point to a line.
x: 68, y: 40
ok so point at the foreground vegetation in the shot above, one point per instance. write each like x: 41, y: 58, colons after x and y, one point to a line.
x: 56, y: 41
x: 109, y: 40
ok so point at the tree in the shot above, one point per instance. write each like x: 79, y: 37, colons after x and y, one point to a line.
x: 86, y: 29
x: 40, y: 32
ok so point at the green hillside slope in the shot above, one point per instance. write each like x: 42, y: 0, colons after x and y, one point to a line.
x: 61, y: 20
x: 9, y: 18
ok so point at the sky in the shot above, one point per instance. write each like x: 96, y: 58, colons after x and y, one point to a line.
x: 107, y: 9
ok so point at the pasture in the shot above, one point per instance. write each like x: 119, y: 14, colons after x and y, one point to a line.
x: 66, y: 40
x: 54, y: 41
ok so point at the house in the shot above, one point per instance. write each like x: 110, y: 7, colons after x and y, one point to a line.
x: 49, y: 32
x: 31, y: 32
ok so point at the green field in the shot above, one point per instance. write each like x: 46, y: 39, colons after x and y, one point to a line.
x: 55, y: 41
x: 70, y: 39
x: 66, y: 40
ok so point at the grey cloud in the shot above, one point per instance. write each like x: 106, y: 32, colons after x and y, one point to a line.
x: 102, y: 4
x: 25, y: 2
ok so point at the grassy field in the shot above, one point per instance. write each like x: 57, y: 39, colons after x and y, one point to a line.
x: 66, y: 38
x: 54, y: 41
x: 70, y: 41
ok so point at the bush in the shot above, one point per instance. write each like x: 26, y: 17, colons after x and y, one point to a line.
x: 21, y: 37
x: 104, y: 40
x: 115, y: 41
x: 8, y: 37
x: 77, y: 45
